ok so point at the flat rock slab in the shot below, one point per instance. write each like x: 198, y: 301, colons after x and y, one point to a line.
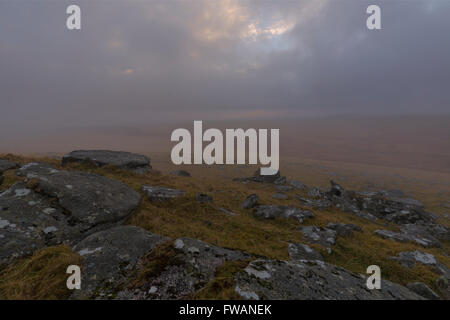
x: 155, y: 193
x: 30, y: 221
x: 300, y: 251
x: 274, y: 211
x: 62, y: 207
x: 109, y: 257
x: 310, y: 280
x: 197, y: 263
x: 323, y: 236
x: 124, y: 160
x: 90, y: 199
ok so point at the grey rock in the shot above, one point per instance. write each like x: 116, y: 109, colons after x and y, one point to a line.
x: 280, y: 196
x: 323, y: 236
x: 298, y: 185
x: 91, y: 200
x: 7, y: 165
x: 223, y: 210
x: 180, y: 173
x: 124, y: 160
x: 197, y: 263
x: 300, y: 251
x: 283, y: 188
x: 404, y: 237
x: 344, y: 230
x: 274, y: 211
x: 109, y: 257
x: 250, y: 202
x: 409, y: 258
x: 423, y: 290
x: 154, y: 193
x: 257, y: 177
x: 310, y: 280
x: 201, y: 197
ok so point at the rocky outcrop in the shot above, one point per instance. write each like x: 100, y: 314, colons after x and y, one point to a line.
x: 408, y: 259
x: 250, y: 202
x: 109, y: 258
x: 423, y: 290
x: 196, y: 263
x: 323, y: 236
x: 56, y: 207
x: 310, y: 280
x: 407, y: 237
x: 154, y: 193
x: 124, y: 160
x: 274, y: 211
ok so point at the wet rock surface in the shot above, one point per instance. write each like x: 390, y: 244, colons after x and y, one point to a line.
x: 109, y: 258
x: 309, y: 280
x: 274, y: 211
x: 124, y: 160
x: 154, y: 193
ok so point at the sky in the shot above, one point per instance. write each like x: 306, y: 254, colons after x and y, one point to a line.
x: 137, y: 63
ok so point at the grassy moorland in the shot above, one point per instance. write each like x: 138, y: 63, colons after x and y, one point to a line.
x: 42, y: 276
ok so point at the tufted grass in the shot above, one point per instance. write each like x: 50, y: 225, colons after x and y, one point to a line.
x: 41, y: 276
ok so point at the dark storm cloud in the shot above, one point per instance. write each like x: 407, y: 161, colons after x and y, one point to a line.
x: 139, y: 62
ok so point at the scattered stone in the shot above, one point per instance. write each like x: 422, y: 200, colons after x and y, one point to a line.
x: 257, y: 177
x: 300, y: 251
x: 283, y: 188
x: 323, y: 236
x: 109, y: 257
x: 250, y: 202
x: 298, y: 185
x: 201, y: 197
x: 223, y: 210
x: 409, y: 258
x: 423, y: 290
x: 280, y: 181
x: 180, y: 173
x: 124, y: 160
x: 154, y: 193
x: 344, y: 230
x: 310, y: 280
x: 274, y: 211
x: 280, y: 196
x: 403, y: 237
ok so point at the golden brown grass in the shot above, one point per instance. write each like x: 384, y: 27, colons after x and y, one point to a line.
x: 185, y: 217
x: 41, y: 276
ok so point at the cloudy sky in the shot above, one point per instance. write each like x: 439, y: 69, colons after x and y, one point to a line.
x: 144, y: 62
